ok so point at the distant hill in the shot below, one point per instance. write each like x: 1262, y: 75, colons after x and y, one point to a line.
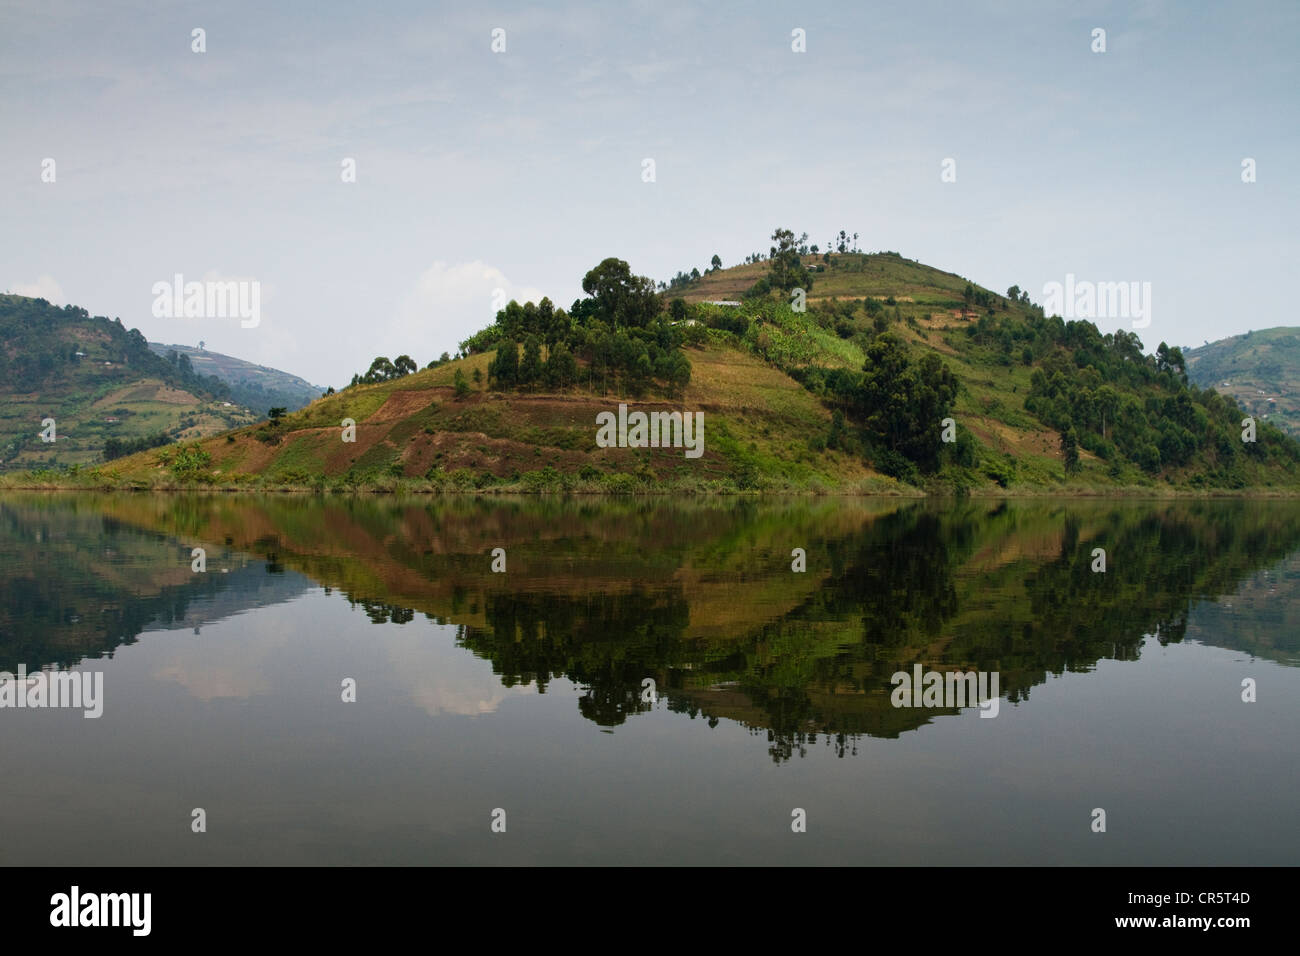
x: 1260, y: 369
x: 100, y: 383
x: 850, y: 394
x: 254, y: 386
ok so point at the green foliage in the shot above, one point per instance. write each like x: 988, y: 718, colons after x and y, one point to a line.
x: 902, y: 401
x: 1070, y: 450
x: 530, y: 369
x: 1120, y: 403
x: 189, y: 462
x: 621, y: 298
x: 785, y: 269
x: 504, y: 370
x: 119, y: 448
x: 561, y: 368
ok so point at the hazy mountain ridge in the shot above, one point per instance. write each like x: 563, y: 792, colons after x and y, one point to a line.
x: 257, y: 387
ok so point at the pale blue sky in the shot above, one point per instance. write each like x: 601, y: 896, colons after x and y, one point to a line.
x: 521, y: 170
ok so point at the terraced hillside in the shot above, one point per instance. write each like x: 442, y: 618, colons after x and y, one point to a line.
x: 99, y: 382
x: 1260, y: 369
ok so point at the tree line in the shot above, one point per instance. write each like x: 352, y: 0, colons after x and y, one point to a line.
x: 618, y: 338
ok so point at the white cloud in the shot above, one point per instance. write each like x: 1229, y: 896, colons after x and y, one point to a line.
x: 449, y: 303
x: 43, y: 288
x: 443, y: 680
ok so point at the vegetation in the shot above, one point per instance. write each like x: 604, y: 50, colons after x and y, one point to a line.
x: 104, y: 387
x: 116, y: 447
x: 618, y: 339
x: 1260, y: 370
x: 382, y: 370
x: 895, y: 377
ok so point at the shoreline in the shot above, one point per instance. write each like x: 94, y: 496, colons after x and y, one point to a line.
x: 633, y: 488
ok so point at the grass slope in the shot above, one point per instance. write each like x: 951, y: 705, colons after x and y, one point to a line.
x: 414, y: 429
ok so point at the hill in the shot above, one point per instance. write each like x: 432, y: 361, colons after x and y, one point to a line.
x: 256, y: 387
x: 1260, y: 370
x: 100, y: 383
x: 895, y: 377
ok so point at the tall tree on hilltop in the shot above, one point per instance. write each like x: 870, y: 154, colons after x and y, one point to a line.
x: 786, y: 271
x: 622, y: 299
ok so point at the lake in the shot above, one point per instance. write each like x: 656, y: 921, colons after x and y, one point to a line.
x: 348, y: 680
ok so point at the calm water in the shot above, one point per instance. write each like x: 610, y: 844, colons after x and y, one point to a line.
x: 524, y: 690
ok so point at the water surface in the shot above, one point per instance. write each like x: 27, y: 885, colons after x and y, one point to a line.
x: 525, y: 690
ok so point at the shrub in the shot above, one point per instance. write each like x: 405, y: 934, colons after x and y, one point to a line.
x: 189, y: 463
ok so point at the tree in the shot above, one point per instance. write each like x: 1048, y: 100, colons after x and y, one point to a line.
x: 532, y: 319
x: 1107, y: 403
x: 504, y: 370
x: 403, y: 365
x: 1070, y: 450
x: 622, y: 299
x: 530, y: 369
x: 679, y: 375
x: 461, y: 386
x: 277, y: 413
x: 677, y: 309
x: 561, y: 368
x: 903, y: 401
x: 548, y: 327
x: 478, y: 378
x: 716, y: 262
x: 787, y: 271
x: 511, y: 320
x: 381, y: 370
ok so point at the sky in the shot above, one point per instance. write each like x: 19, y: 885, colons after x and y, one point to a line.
x: 482, y: 173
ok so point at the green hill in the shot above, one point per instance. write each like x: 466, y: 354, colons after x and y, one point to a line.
x: 256, y: 387
x: 101, y: 385
x: 1260, y: 369
x: 895, y: 377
